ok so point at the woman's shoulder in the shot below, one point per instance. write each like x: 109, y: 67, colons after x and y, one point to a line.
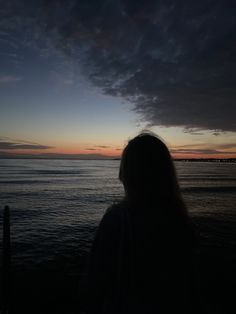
x: 112, y: 220
x: 116, y: 210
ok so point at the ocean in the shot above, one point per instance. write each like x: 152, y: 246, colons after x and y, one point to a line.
x: 56, y: 205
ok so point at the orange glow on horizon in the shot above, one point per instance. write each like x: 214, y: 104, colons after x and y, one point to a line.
x: 113, y: 152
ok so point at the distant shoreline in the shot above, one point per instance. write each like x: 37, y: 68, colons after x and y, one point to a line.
x: 231, y: 160
x: 220, y: 160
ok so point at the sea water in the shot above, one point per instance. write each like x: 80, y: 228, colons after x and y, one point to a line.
x: 56, y: 205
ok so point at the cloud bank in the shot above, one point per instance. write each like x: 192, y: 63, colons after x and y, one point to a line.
x: 174, y: 60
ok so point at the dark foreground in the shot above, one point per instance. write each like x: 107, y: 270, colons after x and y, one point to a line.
x: 55, y: 286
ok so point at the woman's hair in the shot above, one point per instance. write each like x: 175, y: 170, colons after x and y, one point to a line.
x: 147, y: 171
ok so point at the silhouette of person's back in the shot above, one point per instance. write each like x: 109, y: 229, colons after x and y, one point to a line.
x: 141, y: 259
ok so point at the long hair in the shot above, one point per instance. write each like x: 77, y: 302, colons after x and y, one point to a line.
x: 148, y: 173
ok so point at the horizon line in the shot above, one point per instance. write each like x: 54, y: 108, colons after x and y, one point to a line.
x: 114, y: 158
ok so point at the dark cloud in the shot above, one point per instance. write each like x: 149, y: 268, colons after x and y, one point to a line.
x: 12, y: 145
x: 174, y: 60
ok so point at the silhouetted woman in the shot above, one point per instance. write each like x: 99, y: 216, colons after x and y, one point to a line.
x: 141, y: 259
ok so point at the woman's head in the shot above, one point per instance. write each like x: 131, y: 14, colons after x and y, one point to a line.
x: 146, y: 169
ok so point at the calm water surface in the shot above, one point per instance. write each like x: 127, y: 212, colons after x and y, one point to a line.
x: 57, y: 204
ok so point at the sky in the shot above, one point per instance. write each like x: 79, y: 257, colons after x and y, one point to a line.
x: 83, y: 77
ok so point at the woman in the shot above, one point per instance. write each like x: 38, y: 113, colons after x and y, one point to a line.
x: 141, y: 259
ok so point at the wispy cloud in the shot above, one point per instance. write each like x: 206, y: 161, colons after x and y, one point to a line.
x: 102, y: 146
x: 97, y: 147
x: 61, y: 79
x: 9, y: 79
x: 205, y: 149
x: 217, y: 146
x: 201, y: 152
x: 20, y: 144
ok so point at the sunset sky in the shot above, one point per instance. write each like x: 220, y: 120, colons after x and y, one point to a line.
x: 82, y: 77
